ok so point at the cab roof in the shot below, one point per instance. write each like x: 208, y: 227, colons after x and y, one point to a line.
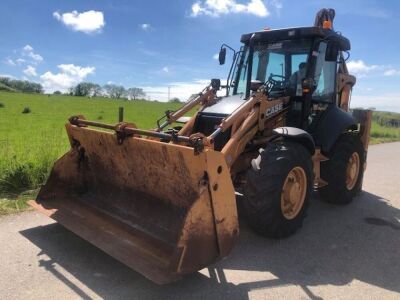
x: 296, y: 33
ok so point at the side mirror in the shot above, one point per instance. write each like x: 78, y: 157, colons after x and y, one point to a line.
x: 216, y: 84
x: 222, y: 56
x: 332, y: 51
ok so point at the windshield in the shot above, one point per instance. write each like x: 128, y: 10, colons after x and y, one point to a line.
x: 281, y: 65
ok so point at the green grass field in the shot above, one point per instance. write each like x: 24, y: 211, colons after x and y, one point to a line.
x: 30, y: 143
x: 381, y: 134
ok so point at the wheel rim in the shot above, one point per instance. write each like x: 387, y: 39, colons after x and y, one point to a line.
x: 293, y: 193
x: 352, y: 170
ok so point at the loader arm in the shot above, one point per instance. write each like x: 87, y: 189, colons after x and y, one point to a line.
x: 204, y: 98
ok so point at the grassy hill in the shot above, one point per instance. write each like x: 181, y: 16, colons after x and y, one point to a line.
x: 385, y: 127
x: 30, y: 143
x: 6, y: 88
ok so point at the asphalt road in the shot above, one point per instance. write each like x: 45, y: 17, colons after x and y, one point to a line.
x: 346, y: 252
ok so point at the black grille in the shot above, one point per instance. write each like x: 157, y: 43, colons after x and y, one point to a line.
x: 207, y: 123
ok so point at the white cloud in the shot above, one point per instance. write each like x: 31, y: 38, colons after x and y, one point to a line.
x: 165, y: 69
x: 28, y: 56
x: 60, y: 81
x: 29, y: 52
x: 68, y: 76
x: 391, y: 72
x: 181, y: 90
x: 10, y: 62
x: 77, y: 71
x: 30, y: 71
x: 216, y: 56
x: 88, y: 22
x: 20, y: 61
x: 196, y: 9
x: 361, y: 69
x: 277, y: 4
x: 8, y: 76
x: 145, y: 26
x: 27, y: 48
x: 36, y: 57
x: 215, y: 8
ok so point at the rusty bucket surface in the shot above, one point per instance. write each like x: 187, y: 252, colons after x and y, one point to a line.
x: 156, y: 207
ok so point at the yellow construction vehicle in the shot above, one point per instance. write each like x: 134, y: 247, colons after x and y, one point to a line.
x: 163, y: 201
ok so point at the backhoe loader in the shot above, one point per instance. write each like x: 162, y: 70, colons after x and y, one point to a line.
x: 163, y: 202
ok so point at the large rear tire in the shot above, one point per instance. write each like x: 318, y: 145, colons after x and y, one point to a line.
x: 278, y: 189
x: 344, y: 170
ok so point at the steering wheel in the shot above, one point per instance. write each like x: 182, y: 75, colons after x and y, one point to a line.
x: 273, y: 82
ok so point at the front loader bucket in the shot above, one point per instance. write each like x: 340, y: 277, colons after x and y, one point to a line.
x: 159, y: 208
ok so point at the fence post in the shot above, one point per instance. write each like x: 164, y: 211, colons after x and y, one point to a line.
x: 121, y: 114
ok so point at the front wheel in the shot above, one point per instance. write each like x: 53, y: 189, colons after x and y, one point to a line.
x: 278, y: 189
x: 343, y: 171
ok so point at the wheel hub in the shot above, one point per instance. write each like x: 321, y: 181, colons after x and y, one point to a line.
x: 293, y: 193
x: 352, y: 171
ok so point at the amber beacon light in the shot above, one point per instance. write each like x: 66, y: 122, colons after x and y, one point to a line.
x: 327, y: 25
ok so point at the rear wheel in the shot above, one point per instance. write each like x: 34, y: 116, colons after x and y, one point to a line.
x: 278, y: 189
x: 344, y: 170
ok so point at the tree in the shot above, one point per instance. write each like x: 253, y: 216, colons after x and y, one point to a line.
x: 114, y: 91
x: 134, y: 93
x: 22, y: 85
x: 57, y: 93
x: 71, y: 91
x: 5, y: 80
x: 86, y: 89
x: 175, y: 100
x: 96, y: 90
x: 119, y: 91
x: 109, y: 89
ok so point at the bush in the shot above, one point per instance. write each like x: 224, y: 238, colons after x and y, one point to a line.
x: 175, y: 100
x: 1, y: 105
x: 26, y: 174
x: 100, y: 118
x: 26, y: 110
x: 17, y: 179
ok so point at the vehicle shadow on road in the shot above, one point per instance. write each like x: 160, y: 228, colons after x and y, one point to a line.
x: 337, y: 244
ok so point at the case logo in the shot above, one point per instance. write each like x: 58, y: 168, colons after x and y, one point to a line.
x: 274, y: 109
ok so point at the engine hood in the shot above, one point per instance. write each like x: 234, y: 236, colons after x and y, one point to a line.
x: 226, y: 105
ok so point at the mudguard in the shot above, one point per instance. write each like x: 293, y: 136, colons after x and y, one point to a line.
x: 297, y: 135
x: 331, y: 125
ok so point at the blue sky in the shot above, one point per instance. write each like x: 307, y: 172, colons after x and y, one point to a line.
x: 156, y: 44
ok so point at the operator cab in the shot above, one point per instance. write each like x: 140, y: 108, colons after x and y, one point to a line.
x: 297, y: 63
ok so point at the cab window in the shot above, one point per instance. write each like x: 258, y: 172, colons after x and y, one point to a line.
x: 325, y: 77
